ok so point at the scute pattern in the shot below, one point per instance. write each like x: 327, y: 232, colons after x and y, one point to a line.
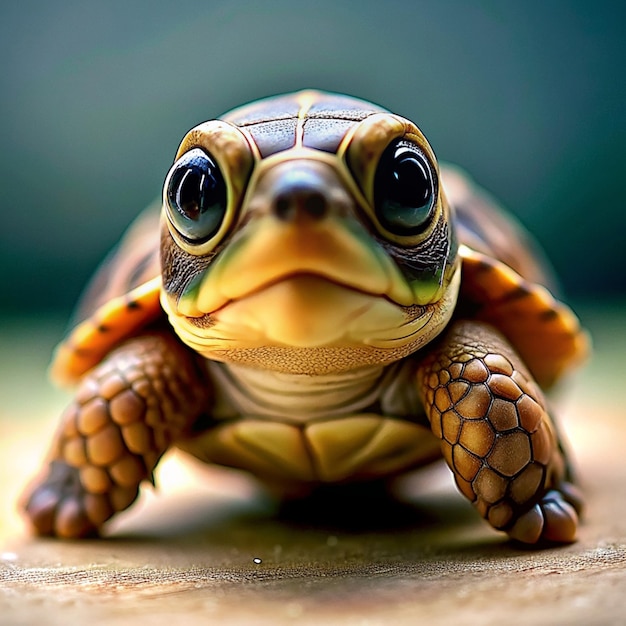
x: 323, y: 119
x: 110, y: 324
x: 344, y: 449
x: 544, y: 331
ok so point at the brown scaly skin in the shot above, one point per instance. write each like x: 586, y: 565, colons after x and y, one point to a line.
x: 125, y: 414
x: 496, y: 435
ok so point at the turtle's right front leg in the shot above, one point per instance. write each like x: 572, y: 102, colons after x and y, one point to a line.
x: 126, y: 412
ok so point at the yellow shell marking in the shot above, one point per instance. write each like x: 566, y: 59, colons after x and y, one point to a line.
x: 544, y: 331
x: 92, y: 339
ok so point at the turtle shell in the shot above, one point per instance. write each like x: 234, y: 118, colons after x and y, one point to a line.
x: 507, y: 282
x: 120, y: 300
x: 504, y: 280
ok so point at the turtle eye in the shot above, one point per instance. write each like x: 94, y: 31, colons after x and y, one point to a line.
x: 404, y: 189
x: 196, y: 196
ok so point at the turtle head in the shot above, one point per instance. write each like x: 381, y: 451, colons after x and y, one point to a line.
x: 307, y: 256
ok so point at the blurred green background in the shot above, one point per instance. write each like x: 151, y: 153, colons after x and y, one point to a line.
x: 527, y: 96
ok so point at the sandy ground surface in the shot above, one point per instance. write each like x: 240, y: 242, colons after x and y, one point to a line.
x: 207, y: 547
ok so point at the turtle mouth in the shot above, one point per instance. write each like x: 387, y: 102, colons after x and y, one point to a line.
x: 292, y: 278
x: 270, y: 253
x: 307, y: 310
x: 277, y: 285
x: 304, y: 322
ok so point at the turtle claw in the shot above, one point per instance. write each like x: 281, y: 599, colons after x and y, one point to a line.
x: 554, y: 519
x: 56, y: 506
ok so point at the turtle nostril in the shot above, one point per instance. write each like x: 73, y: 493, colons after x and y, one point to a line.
x: 288, y: 205
x: 315, y: 205
x: 283, y: 208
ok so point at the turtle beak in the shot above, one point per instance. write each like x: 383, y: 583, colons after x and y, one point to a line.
x: 300, y: 220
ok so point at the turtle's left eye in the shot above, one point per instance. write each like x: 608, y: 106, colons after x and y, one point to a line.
x: 404, y: 189
x: 196, y: 196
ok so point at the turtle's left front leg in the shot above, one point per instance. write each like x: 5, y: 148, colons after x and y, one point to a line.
x: 496, y: 434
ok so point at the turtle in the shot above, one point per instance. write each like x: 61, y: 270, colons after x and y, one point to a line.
x: 316, y: 300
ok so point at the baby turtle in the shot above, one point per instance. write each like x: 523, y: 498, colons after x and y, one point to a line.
x: 319, y: 302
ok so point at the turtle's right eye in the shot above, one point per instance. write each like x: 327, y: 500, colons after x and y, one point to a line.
x: 196, y: 196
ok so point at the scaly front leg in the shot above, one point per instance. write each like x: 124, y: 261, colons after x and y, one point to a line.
x: 497, y: 436
x: 125, y: 414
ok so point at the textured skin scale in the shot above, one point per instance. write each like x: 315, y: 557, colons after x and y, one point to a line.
x: 492, y: 419
x: 472, y: 395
